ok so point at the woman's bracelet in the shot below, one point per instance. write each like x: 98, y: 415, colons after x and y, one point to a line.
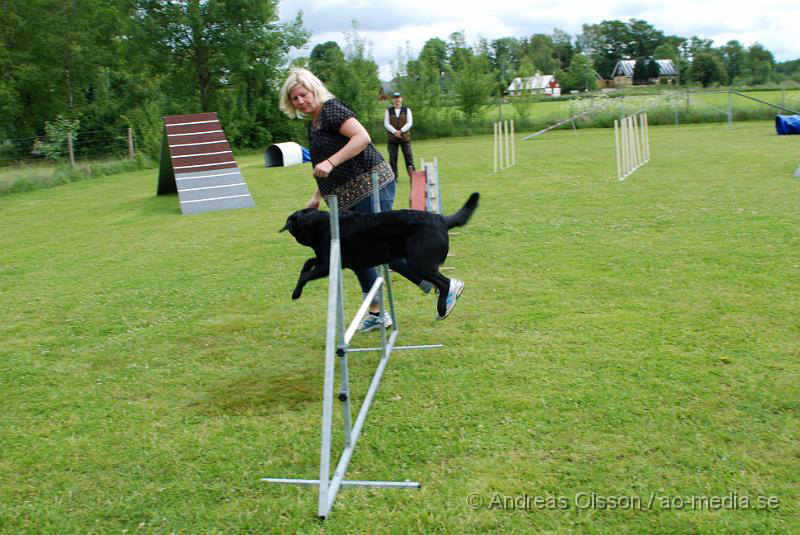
x: 330, y: 162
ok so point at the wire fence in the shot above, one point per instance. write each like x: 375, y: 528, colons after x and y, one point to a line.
x: 71, y: 147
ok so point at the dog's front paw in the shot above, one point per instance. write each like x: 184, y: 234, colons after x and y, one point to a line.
x: 296, y: 293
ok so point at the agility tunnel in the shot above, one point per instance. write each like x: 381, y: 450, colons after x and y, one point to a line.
x: 787, y: 124
x: 285, y: 154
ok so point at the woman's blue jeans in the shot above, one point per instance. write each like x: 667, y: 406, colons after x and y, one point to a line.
x: 367, y: 277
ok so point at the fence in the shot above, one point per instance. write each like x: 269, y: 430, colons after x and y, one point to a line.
x: 71, y: 147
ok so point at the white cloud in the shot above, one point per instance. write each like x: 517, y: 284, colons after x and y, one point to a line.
x: 389, y: 24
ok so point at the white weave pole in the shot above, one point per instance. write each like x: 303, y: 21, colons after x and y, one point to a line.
x: 637, y: 149
x: 513, y: 145
x: 632, y: 144
x: 616, y: 146
x: 646, y: 137
x: 504, y: 149
x: 506, y: 132
x: 494, y: 148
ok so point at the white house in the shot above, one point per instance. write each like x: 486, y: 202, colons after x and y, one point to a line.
x: 541, y: 83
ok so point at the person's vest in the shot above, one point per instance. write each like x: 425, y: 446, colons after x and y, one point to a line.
x: 398, y: 122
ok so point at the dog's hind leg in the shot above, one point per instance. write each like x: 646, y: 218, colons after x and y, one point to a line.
x: 424, y: 258
x: 441, y: 282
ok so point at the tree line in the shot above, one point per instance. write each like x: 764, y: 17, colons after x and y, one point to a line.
x: 471, y: 75
x: 99, y: 65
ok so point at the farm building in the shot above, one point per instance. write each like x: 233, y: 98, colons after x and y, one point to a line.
x: 541, y: 83
x: 623, y: 71
x: 387, y: 89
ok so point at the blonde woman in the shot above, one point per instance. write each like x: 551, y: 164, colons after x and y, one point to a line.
x: 344, y: 159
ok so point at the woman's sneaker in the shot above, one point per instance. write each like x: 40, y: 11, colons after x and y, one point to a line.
x: 372, y: 322
x: 456, y: 289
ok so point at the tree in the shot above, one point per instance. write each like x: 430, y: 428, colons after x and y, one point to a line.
x: 422, y: 80
x: 697, y: 45
x: 563, y: 51
x: 789, y: 69
x: 734, y: 57
x: 327, y: 62
x: 708, y: 69
x: 50, y: 52
x: 504, y: 58
x: 205, y: 43
x: 761, y: 61
x: 459, y: 53
x: 363, y: 85
x: 541, y: 51
x: 653, y: 70
x: 473, y: 85
x: 434, y: 54
x: 644, y: 38
x: 666, y: 51
x: 580, y: 74
x: 641, y: 72
x: 607, y: 43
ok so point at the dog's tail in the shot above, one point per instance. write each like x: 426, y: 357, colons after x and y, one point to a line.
x: 461, y: 217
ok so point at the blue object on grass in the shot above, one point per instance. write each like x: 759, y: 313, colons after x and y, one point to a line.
x: 787, y: 124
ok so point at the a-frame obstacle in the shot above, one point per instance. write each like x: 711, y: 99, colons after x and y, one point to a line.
x: 198, y: 164
x: 338, y: 344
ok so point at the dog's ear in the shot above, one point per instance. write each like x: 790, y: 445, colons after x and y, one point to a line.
x: 291, y: 222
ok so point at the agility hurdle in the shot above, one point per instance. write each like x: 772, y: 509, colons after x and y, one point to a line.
x: 337, y: 343
x: 425, y: 193
x: 434, y: 195
x: 632, y: 144
x: 504, y: 147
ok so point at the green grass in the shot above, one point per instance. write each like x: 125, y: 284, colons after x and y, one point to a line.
x: 630, y: 338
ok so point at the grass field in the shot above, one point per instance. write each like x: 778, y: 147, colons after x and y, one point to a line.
x: 627, y: 350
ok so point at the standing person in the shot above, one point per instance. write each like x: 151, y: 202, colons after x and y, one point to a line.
x: 398, y: 122
x: 344, y: 159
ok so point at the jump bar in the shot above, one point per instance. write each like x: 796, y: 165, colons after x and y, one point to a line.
x: 348, y: 483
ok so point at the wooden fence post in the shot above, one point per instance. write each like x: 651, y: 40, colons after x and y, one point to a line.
x: 130, y: 143
x: 70, y: 150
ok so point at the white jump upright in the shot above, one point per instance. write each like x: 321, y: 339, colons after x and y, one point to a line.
x: 505, y: 154
x: 433, y: 200
x: 338, y: 344
x: 632, y: 144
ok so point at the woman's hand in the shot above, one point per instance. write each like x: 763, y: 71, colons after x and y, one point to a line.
x: 323, y: 169
x: 315, y: 199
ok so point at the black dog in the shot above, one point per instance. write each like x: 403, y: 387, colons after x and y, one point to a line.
x: 369, y: 240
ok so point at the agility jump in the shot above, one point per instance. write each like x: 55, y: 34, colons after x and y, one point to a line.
x: 338, y: 344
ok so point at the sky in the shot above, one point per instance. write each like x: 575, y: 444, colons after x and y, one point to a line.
x: 390, y: 26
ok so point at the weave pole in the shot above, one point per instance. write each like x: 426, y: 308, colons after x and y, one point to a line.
x: 631, y: 144
x: 504, y: 149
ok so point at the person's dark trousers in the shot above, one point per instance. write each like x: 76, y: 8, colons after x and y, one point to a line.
x: 406, y: 146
